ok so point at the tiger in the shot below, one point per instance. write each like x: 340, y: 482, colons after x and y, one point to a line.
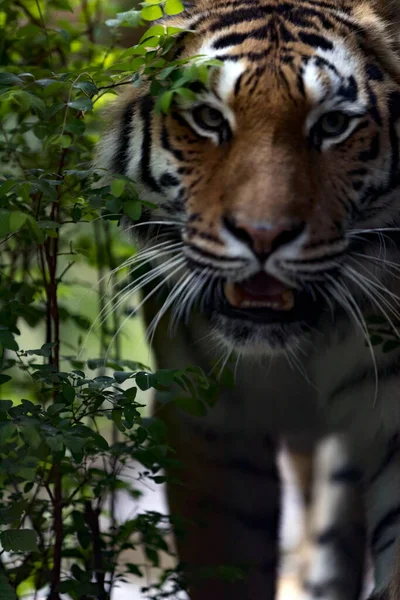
x: 273, y: 246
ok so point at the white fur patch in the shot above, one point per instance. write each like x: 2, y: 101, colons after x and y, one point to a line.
x: 229, y: 74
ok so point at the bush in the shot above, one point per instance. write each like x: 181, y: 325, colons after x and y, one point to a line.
x: 70, y: 428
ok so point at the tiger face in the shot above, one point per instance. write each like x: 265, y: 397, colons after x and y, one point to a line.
x: 277, y: 179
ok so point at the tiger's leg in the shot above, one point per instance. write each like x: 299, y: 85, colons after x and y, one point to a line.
x: 228, y: 499
x: 301, y: 461
x: 336, y: 551
x: 383, y: 516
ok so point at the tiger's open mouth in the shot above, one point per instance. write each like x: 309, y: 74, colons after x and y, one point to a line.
x: 260, y: 291
x: 266, y: 300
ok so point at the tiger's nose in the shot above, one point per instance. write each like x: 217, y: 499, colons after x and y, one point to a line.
x: 266, y: 238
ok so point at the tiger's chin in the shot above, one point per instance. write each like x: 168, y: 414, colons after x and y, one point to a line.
x: 246, y: 337
x: 266, y: 340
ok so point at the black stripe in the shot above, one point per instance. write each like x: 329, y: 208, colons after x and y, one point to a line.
x: 168, y: 180
x: 250, y: 56
x: 357, y: 172
x: 315, y: 41
x: 121, y: 156
x: 385, y: 545
x: 322, y: 590
x: 317, y: 260
x: 203, y: 235
x: 393, y: 118
x: 342, y: 543
x: 390, y: 519
x: 374, y: 72
x: 373, y: 152
x: 166, y: 143
x: 235, y: 39
x: 393, y: 446
x: 349, y: 474
x: 236, y: 17
x: 146, y: 107
x: 285, y: 34
x: 238, y: 84
x: 349, y: 89
x: 373, y: 106
x: 287, y: 86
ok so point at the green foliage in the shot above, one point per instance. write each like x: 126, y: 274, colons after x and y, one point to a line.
x: 70, y: 429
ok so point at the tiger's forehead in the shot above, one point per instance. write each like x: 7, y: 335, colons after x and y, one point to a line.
x: 314, y: 75
x: 279, y: 47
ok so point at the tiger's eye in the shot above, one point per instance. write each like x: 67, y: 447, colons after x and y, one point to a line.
x: 333, y: 124
x: 208, y: 117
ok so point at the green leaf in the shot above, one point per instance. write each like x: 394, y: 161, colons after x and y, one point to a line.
x: 68, y: 392
x: 151, y: 13
x: 121, y: 376
x: 117, y: 187
x: 186, y: 94
x: 134, y: 570
x: 164, y: 101
x: 81, y: 104
x: 7, y: 431
x: 100, y: 441
x: 17, y: 220
x: 173, y: 7
x: 55, y: 443
x: 5, y: 405
x: 63, y: 5
x: 56, y: 408
x: 133, y: 18
x: 7, y: 186
x: 74, y: 443
x: 9, y: 79
x: 141, y: 435
x: 65, y: 141
x: 191, y: 405
x: 7, y: 340
x: 133, y: 209
x: 77, y: 127
x: 145, y: 381
x: 4, y: 378
x: 31, y: 436
x: 129, y: 414
x: 116, y: 416
x: 19, y: 540
x: 154, y: 30
x: 87, y: 86
x: 130, y: 394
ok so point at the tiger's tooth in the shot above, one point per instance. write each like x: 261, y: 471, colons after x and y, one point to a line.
x: 260, y: 304
x: 233, y: 294
x: 288, y: 299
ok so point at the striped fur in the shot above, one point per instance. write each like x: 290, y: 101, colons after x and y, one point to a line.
x: 308, y: 373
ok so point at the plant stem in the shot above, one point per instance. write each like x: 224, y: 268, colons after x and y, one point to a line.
x: 51, y: 254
